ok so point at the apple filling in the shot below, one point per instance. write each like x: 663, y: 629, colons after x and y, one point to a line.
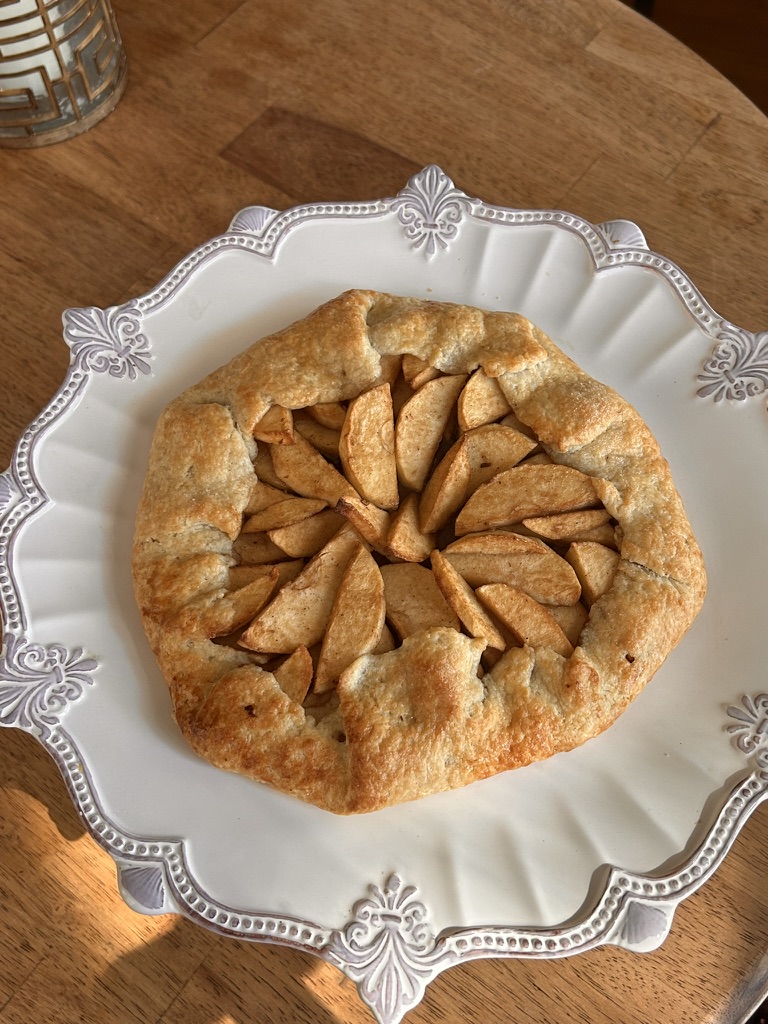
x: 423, y: 502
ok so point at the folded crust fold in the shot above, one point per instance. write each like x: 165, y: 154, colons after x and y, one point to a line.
x: 433, y: 713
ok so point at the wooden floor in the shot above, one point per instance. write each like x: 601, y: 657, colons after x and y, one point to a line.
x: 731, y: 36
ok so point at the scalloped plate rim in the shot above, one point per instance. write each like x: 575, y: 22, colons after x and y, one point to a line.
x: 19, y: 485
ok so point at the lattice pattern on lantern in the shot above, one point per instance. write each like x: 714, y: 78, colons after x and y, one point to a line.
x: 62, y: 68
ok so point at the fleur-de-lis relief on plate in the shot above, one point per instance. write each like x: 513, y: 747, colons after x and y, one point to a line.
x: 388, y: 951
x: 750, y: 730
x: 38, y: 683
x: 431, y: 208
x: 738, y: 366
x: 108, y: 340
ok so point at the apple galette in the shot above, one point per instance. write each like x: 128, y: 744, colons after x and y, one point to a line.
x: 403, y: 545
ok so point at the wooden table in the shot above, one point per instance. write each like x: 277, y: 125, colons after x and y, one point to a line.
x: 574, y: 104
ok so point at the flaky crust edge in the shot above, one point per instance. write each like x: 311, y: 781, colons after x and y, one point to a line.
x: 417, y: 720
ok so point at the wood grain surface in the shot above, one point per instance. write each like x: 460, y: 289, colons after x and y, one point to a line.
x: 576, y: 104
x: 730, y: 36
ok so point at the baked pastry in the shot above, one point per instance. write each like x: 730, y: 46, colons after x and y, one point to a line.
x: 403, y: 545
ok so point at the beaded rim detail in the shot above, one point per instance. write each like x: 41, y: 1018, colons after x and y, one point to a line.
x: 387, y: 948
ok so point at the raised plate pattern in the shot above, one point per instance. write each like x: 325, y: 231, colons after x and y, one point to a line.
x: 388, y: 947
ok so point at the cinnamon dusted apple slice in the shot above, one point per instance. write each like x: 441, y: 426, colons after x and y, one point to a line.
x: 257, y: 549
x: 565, y: 527
x: 607, y: 535
x: 386, y: 641
x: 356, y: 620
x: 232, y: 609
x: 389, y: 368
x: 329, y: 414
x: 446, y: 489
x: 460, y: 596
x: 420, y: 427
x: 414, y: 601
x: 595, y: 565
x: 264, y: 470
x: 405, y: 540
x: 287, y: 512
x: 305, y: 538
x: 493, y: 448
x: 262, y: 496
x: 367, y: 447
x: 304, y: 470
x: 241, y: 575
x: 325, y: 439
x: 417, y: 371
x: 571, y: 618
x: 370, y: 521
x: 295, y: 674
x: 524, y: 562
x: 275, y: 426
x: 524, y: 491
x: 528, y: 621
x: 478, y: 456
x: 299, y: 613
x: 481, y: 401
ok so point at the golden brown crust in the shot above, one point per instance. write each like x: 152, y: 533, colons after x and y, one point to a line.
x: 423, y: 717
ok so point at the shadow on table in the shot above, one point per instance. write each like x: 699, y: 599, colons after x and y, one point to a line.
x: 252, y: 983
x: 182, y: 974
x: 26, y: 766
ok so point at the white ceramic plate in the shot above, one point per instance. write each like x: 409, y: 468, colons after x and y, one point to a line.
x: 594, y: 846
